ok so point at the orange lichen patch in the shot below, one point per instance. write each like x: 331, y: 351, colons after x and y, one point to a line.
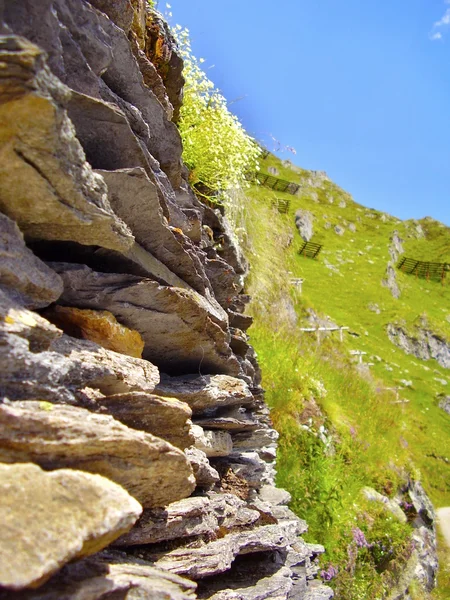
x: 99, y: 326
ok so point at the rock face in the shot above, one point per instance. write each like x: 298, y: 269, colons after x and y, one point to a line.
x: 126, y: 377
x: 395, y: 251
x: 304, y: 223
x: 423, y: 344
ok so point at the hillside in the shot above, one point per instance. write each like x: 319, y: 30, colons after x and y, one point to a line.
x: 381, y: 418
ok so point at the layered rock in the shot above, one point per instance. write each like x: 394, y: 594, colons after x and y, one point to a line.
x: 56, y: 436
x: 80, y: 514
x: 139, y: 330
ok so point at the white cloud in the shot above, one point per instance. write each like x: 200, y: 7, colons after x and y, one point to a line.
x: 437, y: 32
x: 445, y: 19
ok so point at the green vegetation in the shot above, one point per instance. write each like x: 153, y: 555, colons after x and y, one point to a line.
x: 341, y: 428
x: 217, y: 149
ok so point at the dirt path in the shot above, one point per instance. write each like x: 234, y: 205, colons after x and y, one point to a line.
x: 443, y: 515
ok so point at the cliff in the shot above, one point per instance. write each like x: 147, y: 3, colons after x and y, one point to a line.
x: 137, y: 453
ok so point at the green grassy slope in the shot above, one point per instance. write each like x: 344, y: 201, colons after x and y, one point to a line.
x: 372, y: 440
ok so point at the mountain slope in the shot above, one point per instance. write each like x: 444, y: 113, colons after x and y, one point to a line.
x: 381, y: 419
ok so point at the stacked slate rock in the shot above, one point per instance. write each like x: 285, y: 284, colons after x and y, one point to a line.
x: 136, y: 452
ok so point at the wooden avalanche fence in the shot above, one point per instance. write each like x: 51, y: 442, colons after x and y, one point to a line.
x: 310, y: 250
x: 274, y: 183
x: 281, y: 205
x: 427, y: 270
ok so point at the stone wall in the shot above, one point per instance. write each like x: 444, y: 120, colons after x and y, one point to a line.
x: 137, y: 457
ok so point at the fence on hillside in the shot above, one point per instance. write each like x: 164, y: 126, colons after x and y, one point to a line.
x: 277, y: 184
x: 427, y: 270
x: 281, y: 205
x: 310, y: 249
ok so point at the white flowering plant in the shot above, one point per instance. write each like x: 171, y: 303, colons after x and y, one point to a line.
x: 217, y: 149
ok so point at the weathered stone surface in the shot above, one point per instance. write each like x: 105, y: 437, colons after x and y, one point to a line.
x: 57, y: 436
x: 97, y: 326
x: 135, y: 199
x: 109, y: 575
x: 256, y: 439
x: 423, y: 344
x: 119, y: 11
x: 395, y: 251
x: 38, y: 362
x: 273, y: 495
x: 444, y: 403
x: 207, y: 391
x: 125, y: 79
x: 31, y: 281
x: 255, y: 577
x: 224, y: 280
x: 105, y: 134
x: 248, y: 466
x: 206, y: 559
x: 161, y: 49
x: 25, y: 326
x: 135, y: 261
x: 168, y: 418
x: 388, y: 504
x: 212, y: 443
x: 304, y: 223
x: 223, y: 235
x: 318, y: 591
x: 239, y: 321
x: 205, y: 475
x: 181, y: 330
x: 232, y: 419
x: 68, y: 514
x: 41, y: 153
x: 83, y: 45
x: 185, y: 518
x: 231, y: 511
x: 152, y: 78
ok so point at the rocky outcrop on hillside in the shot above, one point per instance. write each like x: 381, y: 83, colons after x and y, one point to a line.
x: 395, y: 251
x: 137, y: 457
x: 422, y: 343
x: 304, y: 222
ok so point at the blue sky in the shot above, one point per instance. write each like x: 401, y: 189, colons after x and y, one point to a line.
x: 359, y: 89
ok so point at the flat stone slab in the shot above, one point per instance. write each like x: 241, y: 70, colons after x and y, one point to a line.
x: 70, y: 201
x: 31, y: 281
x: 51, y: 518
x: 206, y: 559
x: 57, y: 436
x: 37, y: 360
x: 99, y: 326
x: 180, y: 328
x: 233, y: 419
x: 250, y: 578
x: 185, y: 518
x: 206, y: 392
x: 212, y: 443
x: 135, y: 199
x: 109, y: 575
x: 205, y: 475
x: 167, y: 418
